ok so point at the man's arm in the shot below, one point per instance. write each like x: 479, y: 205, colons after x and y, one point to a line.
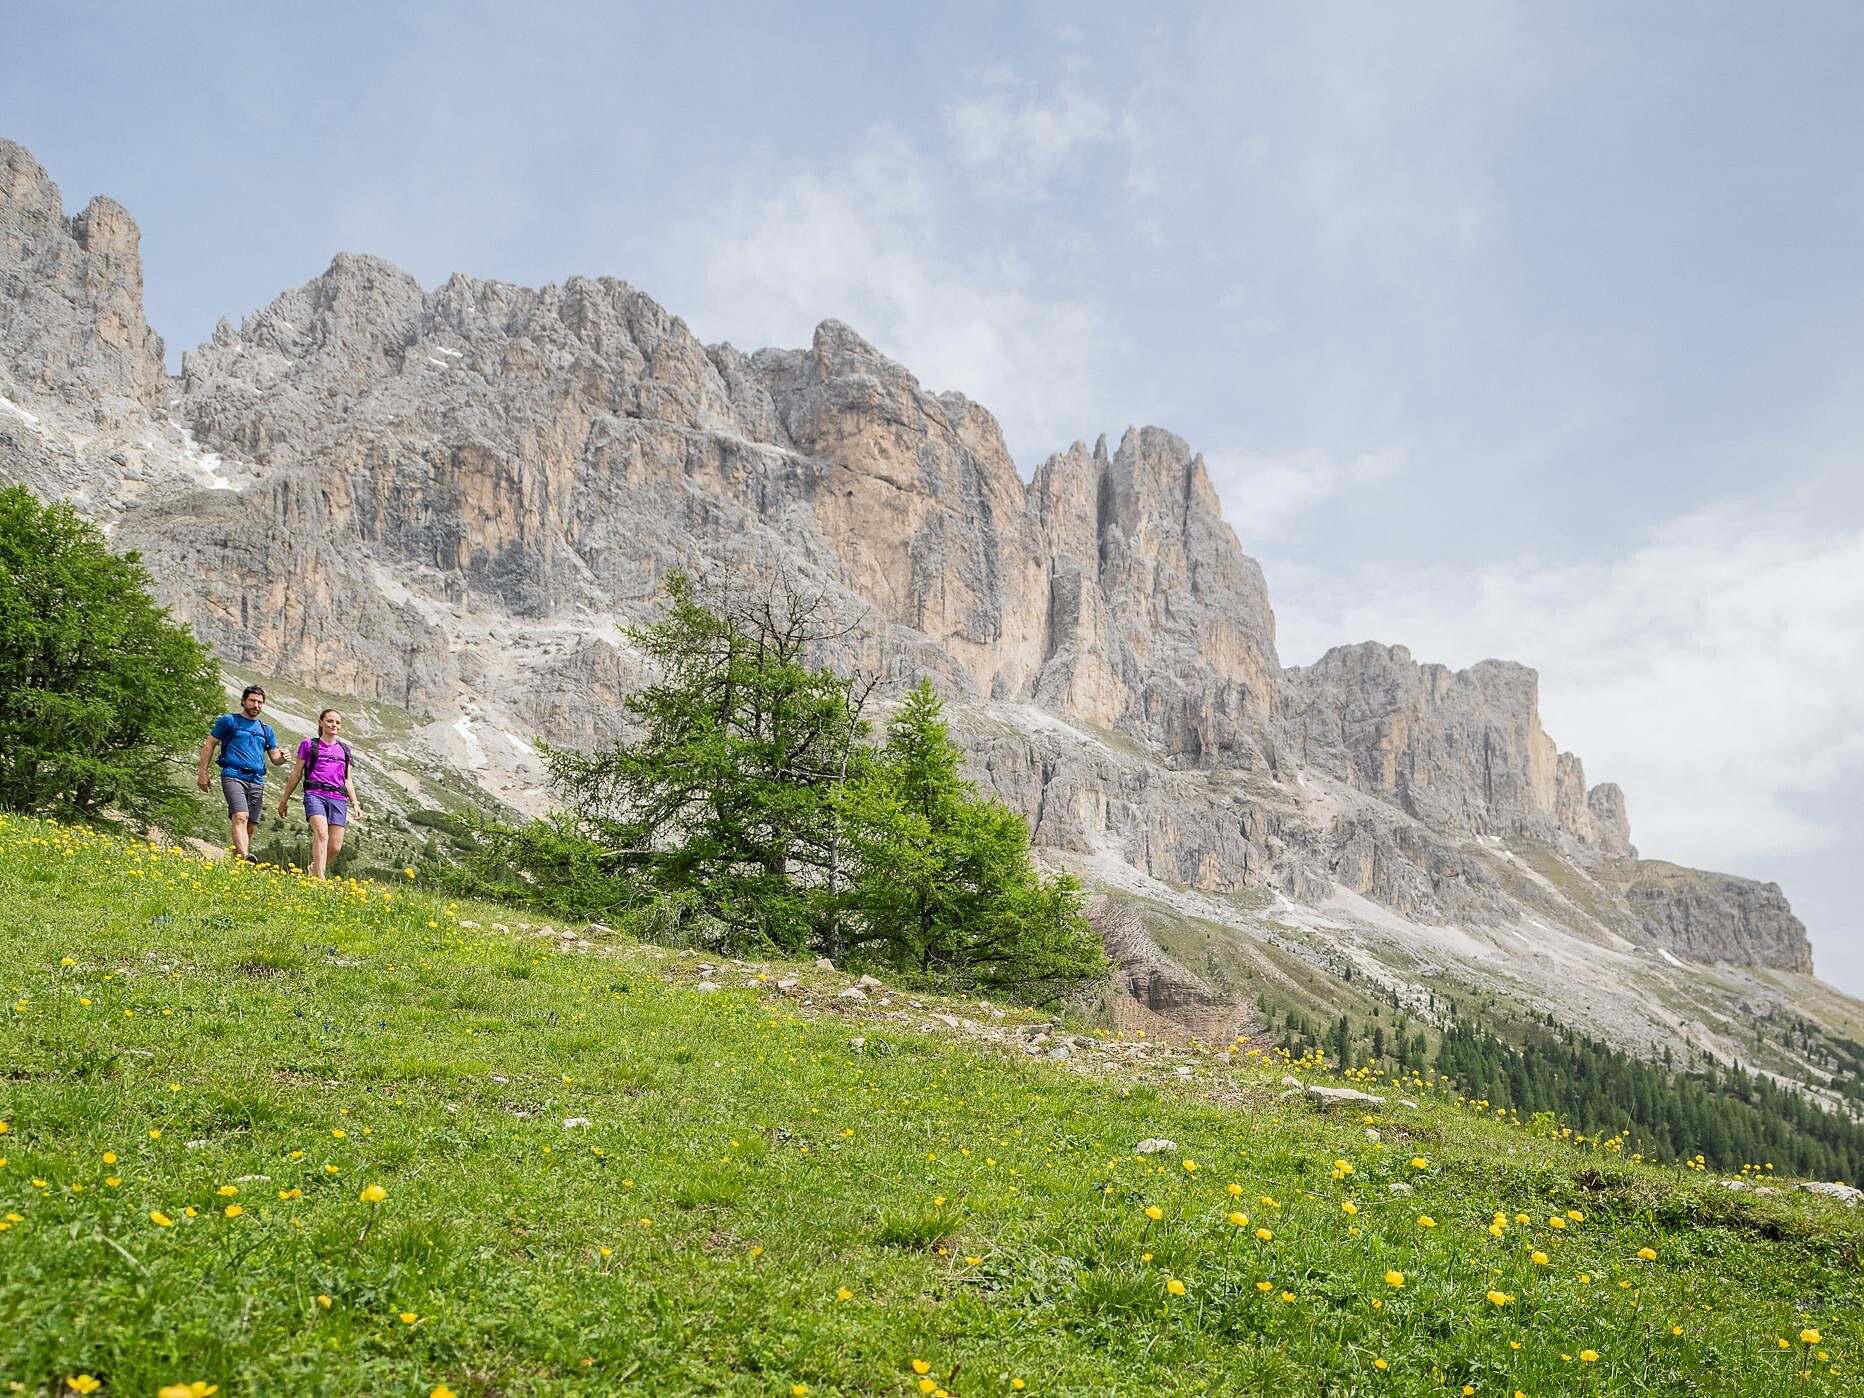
x: 275, y: 752
x: 207, y: 755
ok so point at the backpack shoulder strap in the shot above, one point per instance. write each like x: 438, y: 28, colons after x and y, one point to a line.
x: 310, y: 763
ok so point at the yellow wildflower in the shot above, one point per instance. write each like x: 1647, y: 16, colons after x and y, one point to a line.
x: 1175, y: 1287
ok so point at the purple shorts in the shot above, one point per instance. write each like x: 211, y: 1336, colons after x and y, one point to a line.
x: 331, y: 807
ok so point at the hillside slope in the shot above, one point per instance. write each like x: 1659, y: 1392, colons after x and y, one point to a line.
x: 341, y: 1139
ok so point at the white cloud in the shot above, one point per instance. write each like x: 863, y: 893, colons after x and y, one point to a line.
x: 874, y: 243
x: 1263, y: 493
x: 1016, y: 139
x: 1715, y: 670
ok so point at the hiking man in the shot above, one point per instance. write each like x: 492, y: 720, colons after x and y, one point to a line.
x: 329, y: 798
x: 245, y: 744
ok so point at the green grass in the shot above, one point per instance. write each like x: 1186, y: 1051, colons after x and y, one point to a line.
x: 745, y: 1163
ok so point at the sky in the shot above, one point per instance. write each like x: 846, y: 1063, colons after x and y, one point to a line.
x: 1505, y: 329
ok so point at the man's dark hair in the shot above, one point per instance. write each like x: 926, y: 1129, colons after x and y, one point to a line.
x: 249, y: 691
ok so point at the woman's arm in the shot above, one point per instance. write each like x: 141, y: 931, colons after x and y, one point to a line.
x: 349, y: 790
x: 284, y: 799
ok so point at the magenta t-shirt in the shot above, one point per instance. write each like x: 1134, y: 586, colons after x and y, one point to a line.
x: 328, y: 773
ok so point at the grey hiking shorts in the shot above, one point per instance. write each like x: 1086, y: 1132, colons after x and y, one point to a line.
x: 244, y: 796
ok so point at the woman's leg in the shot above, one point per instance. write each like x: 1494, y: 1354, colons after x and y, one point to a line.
x: 336, y: 842
x: 320, y: 845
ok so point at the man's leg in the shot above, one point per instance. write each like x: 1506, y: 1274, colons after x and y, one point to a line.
x: 320, y: 845
x: 242, y: 810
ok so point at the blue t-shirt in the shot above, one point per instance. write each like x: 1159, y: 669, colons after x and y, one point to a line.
x: 244, y: 742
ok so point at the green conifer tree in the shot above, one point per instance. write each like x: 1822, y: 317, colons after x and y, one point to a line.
x: 946, y: 885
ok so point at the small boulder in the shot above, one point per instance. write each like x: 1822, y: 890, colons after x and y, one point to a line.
x: 1156, y: 1145
x: 824, y: 964
x: 1337, y: 1096
x: 1843, y: 1193
x: 853, y: 993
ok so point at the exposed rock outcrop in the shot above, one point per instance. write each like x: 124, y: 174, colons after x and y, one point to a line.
x: 1716, y: 917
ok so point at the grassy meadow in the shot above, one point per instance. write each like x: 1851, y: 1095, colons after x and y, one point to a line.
x: 268, y: 1136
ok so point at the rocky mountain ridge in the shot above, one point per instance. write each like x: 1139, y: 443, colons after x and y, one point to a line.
x: 446, y: 499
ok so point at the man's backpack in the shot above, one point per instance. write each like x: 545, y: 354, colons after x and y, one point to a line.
x: 310, y: 766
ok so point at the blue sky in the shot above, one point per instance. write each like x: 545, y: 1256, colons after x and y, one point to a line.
x: 1506, y: 329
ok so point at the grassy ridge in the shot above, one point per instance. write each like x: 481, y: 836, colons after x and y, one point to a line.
x: 596, y: 1177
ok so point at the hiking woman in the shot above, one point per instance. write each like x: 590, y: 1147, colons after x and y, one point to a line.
x: 329, y: 798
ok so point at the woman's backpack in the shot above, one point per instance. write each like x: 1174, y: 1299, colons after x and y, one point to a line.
x: 310, y: 766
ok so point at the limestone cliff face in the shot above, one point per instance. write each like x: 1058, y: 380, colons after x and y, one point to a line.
x: 1461, y: 750
x: 71, y: 296
x: 1157, y: 623
x: 546, y: 451
x: 449, y: 498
